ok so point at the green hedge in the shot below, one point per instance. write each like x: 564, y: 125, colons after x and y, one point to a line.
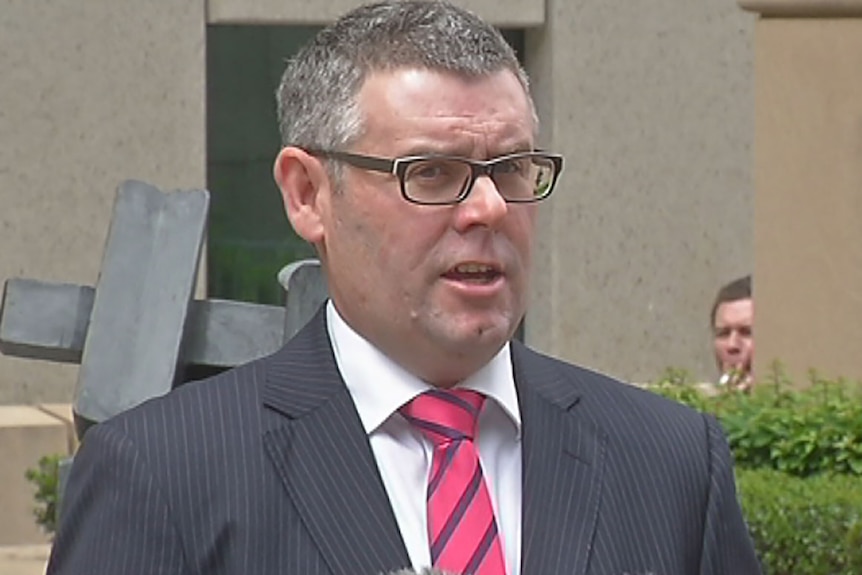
x: 801, y: 432
x: 801, y: 526
x: 798, y: 455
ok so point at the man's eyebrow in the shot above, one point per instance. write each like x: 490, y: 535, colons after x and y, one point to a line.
x: 515, y: 150
x: 465, y: 149
x: 515, y: 146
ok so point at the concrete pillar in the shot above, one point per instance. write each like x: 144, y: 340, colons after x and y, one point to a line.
x: 651, y: 105
x: 808, y: 184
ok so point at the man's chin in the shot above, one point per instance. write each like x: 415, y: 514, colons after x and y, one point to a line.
x: 463, y: 355
x: 480, y: 339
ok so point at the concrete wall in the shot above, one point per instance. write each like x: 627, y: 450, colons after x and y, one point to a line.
x: 511, y: 13
x: 651, y: 104
x: 91, y: 93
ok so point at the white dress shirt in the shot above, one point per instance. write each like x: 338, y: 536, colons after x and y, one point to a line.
x: 379, y: 387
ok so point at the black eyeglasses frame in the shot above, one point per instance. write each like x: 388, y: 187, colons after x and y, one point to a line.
x: 399, y: 166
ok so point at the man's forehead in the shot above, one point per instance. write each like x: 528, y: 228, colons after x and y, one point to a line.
x: 406, y: 77
x: 394, y: 95
x: 740, y: 310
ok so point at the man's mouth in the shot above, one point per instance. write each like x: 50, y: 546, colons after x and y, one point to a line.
x: 473, y: 272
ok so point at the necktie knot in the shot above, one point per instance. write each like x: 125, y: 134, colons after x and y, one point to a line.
x: 444, y: 416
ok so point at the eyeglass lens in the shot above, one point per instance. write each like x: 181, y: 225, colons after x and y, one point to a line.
x: 440, y: 180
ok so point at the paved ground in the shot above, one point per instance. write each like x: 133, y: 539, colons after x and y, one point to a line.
x: 23, y: 560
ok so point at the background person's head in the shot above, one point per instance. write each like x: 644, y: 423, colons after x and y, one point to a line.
x: 731, y: 320
x: 438, y: 288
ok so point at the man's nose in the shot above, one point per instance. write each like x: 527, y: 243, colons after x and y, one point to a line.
x: 484, y: 205
x: 734, y: 341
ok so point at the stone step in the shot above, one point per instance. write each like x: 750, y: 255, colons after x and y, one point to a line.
x: 27, y: 433
x: 24, y: 559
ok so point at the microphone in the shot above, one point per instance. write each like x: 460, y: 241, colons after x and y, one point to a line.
x: 425, y: 571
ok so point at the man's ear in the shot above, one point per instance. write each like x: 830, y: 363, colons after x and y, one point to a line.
x: 304, y: 188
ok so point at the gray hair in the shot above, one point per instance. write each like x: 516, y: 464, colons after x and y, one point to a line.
x: 317, y: 97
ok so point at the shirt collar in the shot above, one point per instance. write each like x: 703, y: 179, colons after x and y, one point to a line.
x: 379, y: 386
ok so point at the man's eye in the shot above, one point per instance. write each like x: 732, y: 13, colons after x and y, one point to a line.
x: 429, y: 171
x: 512, y: 167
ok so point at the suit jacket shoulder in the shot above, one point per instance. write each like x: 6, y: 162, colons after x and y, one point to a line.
x: 620, y: 480
x: 261, y: 469
x: 618, y: 408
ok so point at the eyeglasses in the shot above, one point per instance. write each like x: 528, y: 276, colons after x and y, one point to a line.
x: 434, y: 180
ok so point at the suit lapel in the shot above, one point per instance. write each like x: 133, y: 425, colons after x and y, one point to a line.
x: 563, y: 461
x: 322, y: 455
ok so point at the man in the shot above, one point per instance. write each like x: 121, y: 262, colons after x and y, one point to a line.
x: 403, y: 428
x: 731, y: 319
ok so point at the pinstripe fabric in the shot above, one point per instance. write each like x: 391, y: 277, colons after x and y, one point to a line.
x: 266, y: 469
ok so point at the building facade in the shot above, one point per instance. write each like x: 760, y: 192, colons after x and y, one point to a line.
x: 651, y: 104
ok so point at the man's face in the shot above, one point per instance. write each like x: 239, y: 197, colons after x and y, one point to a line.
x: 439, y: 289
x: 732, y: 336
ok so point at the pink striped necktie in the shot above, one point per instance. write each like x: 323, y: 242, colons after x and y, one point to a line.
x: 462, y: 530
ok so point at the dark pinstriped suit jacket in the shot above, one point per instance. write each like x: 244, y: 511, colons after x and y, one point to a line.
x: 266, y: 469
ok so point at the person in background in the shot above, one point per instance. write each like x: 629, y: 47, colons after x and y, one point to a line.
x: 405, y: 426
x: 731, y: 320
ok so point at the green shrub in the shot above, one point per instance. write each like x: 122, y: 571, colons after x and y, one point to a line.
x: 46, y: 479
x: 801, y: 432
x: 809, y: 526
x: 798, y: 454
